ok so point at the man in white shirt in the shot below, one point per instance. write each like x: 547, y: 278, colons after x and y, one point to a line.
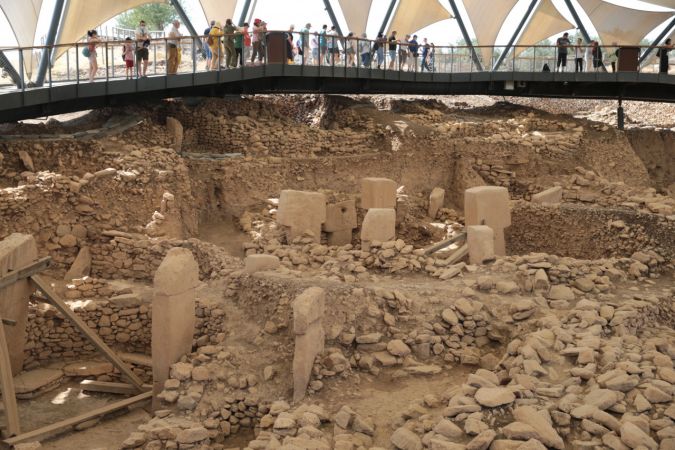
x: 142, y: 48
x: 173, y: 43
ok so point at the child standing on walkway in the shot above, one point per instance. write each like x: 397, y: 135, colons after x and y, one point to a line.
x: 128, y: 53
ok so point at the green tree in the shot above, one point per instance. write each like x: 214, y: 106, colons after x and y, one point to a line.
x: 156, y: 15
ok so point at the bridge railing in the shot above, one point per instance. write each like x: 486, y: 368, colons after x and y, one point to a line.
x: 184, y: 55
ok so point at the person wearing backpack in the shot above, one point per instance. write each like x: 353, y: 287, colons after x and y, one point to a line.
x: 93, y: 42
x: 207, y: 48
x: 216, y: 45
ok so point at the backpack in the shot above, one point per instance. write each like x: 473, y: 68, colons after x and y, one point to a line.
x: 85, y: 52
x: 546, y: 68
x: 209, y: 41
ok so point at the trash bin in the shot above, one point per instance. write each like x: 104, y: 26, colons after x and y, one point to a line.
x: 276, y: 47
x: 628, y: 59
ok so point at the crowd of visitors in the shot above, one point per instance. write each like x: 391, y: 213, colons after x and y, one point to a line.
x: 229, y: 46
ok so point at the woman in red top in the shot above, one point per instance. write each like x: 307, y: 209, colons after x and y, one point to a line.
x: 93, y: 41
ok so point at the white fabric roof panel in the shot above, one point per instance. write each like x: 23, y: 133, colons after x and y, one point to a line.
x: 545, y: 22
x: 487, y: 19
x: 219, y: 10
x: 356, y: 14
x: 620, y: 24
x: 413, y: 15
x: 665, y: 3
x: 84, y: 15
x: 22, y: 16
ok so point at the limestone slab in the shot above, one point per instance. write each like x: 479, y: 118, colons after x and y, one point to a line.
x: 489, y: 205
x: 379, y: 224
x: 481, y: 242
x: 378, y: 193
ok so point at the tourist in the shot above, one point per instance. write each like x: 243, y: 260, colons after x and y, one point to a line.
x: 290, y: 48
x: 613, y: 56
x: 432, y: 58
x: 246, y: 34
x: 596, y: 52
x: 414, y: 53
x: 304, y: 44
x: 323, y: 44
x: 364, y: 50
x: 579, y: 55
x: 239, y: 46
x: 229, y: 32
x: 403, y: 51
x: 257, y: 39
x: 128, y: 52
x: 216, y: 45
x: 173, y: 44
x: 142, y: 49
x: 392, y: 49
x: 314, y: 46
x: 93, y: 42
x: 351, y: 47
x: 207, y: 49
x: 662, y: 54
x: 332, y: 46
x: 378, y: 47
x: 425, y: 55
x: 588, y: 56
x: 561, y: 44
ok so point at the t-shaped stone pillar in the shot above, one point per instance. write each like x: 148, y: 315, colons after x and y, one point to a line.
x: 378, y: 193
x: 489, y: 205
x: 308, y: 310
x: 340, y: 221
x: 300, y: 212
x: 481, y: 242
x: 173, y: 312
x: 16, y: 251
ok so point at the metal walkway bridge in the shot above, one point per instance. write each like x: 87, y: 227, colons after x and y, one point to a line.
x: 449, y: 71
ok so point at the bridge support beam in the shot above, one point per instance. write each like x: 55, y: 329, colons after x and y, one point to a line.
x: 620, y: 116
x: 333, y: 19
x: 522, y: 23
x: 577, y: 20
x: 244, y: 13
x: 657, y: 41
x: 188, y: 24
x: 45, y: 58
x: 465, y: 35
x: 387, y: 16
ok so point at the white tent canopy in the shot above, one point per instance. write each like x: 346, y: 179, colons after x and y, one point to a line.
x: 545, y: 22
x: 83, y: 15
x: 356, y: 14
x: 665, y: 3
x: 622, y: 25
x: 219, y: 10
x: 487, y: 19
x: 413, y: 15
x: 23, y: 18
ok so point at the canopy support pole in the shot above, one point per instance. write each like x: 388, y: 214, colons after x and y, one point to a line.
x: 522, y: 23
x: 577, y: 20
x: 51, y: 37
x: 333, y: 19
x: 465, y: 35
x: 387, y: 16
x: 188, y: 24
x: 657, y: 41
x: 11, y: 71
x: 244, y: 13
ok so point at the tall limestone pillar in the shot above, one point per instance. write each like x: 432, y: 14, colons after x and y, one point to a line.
x: 173, y: 312
x: 16, y: 251
x: 308, y: 310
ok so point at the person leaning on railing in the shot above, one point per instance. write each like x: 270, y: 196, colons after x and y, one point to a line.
x: 93, y: 42
x: 364, y: 50
x: 230, y: 53
x: 215, y: 43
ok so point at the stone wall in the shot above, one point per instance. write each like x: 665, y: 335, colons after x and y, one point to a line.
x: 587, y: 232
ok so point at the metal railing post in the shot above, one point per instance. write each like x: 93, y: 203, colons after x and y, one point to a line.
x: 107, y: 63
x: 67, y: 65
x: 77, y: 64
x: 21, y: 72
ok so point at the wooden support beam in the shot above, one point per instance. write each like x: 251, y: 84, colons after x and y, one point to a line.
x: 101, y: 346
x: 7, y: 387
x: 111, y: 388
x: 68, y: 423
x: 460, y: 253
x: 25, y: 272
x: 443, y: 244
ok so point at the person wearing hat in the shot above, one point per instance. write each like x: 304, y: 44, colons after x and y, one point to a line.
x: 216, y: 45
x: 259, y: 29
